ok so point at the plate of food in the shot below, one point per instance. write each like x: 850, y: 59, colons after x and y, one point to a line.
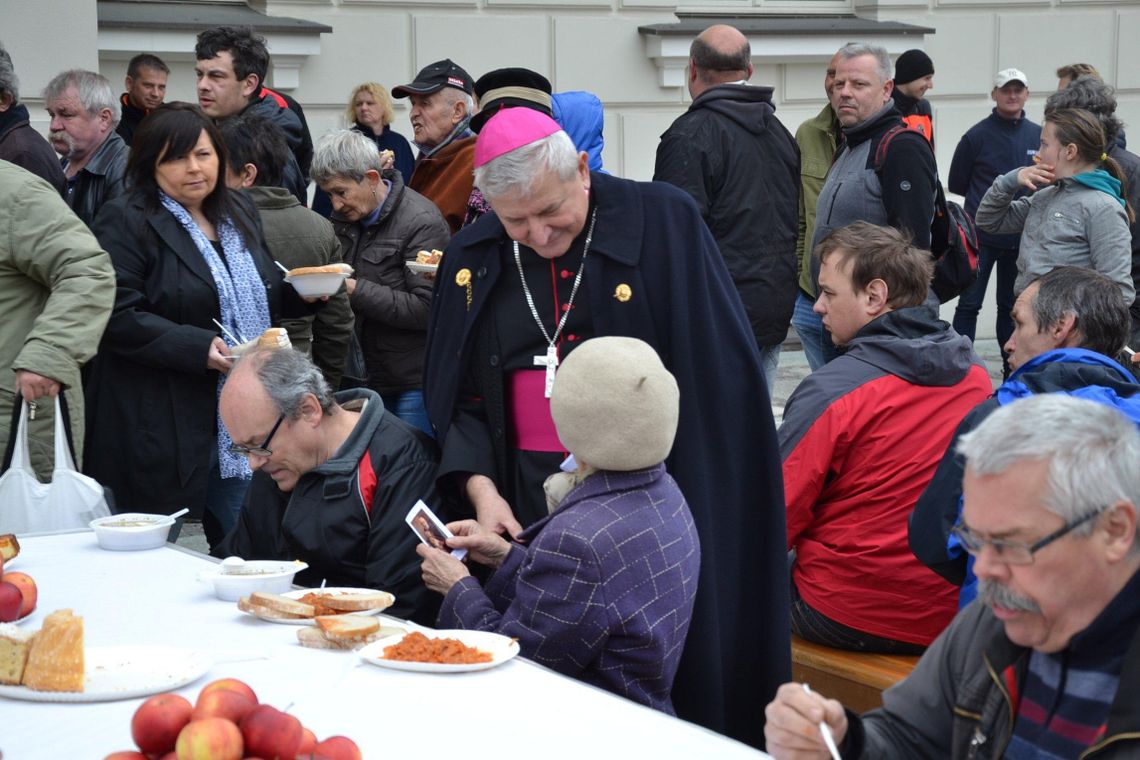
x: 113, y: 673
x: 441, y: 651
x: 318, y: 282
x: 302, y: 606
x: 427, y: 262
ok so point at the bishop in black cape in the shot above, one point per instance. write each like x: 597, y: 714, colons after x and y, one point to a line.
x: 654, y: 273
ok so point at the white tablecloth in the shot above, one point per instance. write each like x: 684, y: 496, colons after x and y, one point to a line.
x: 153, y: 597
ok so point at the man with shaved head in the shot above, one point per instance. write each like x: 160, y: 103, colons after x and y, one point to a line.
x: 730, y: 152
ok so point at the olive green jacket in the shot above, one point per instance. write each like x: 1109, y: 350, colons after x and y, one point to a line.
x: 57, y: 287
x: 818, y: 140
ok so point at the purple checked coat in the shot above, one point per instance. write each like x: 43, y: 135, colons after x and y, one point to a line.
x: 603, y: 589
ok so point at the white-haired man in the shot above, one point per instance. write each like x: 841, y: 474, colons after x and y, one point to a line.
x: 1045, y: 662
x: 569, y: 255
x: 442, y: 107
x: 84, y: 112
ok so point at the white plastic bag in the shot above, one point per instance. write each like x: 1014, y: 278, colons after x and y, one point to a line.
x: 70, y: 500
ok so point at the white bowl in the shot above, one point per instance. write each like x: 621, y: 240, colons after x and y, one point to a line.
x: 318, y: 284
x: 131, y: 531
x: 272, y: 576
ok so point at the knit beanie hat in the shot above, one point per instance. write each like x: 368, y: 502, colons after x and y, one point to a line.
x: 912, y: 65
x: 615, y: 405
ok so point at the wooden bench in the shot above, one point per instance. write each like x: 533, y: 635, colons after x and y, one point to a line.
x: 855, y: 679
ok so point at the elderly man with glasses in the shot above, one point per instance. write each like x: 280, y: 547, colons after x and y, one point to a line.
x: 333, y: 477
x: 1045, y: 663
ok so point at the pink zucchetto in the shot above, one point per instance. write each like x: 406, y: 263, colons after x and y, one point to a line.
x: 511, y: 128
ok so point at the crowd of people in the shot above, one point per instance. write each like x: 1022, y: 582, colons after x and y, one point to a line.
x: 581, y: 389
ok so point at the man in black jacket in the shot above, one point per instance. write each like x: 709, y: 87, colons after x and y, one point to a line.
x: 146, y: 90
x: 19, y: 142
x: 731, y: 153
x: 333, y: 479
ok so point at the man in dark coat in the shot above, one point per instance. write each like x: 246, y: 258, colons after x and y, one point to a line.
x: 730, y: 152
x: 483, y: 337
x: 333, y: 479
x: 914, y: 76
x: 231, y: 70
x: 146, y: 89
x: 19, y: 143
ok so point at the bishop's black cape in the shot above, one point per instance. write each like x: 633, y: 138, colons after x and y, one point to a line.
x: 651, y: 239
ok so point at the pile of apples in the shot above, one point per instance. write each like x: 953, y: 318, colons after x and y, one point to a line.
x: 18, y: 595
x: 227, y: 723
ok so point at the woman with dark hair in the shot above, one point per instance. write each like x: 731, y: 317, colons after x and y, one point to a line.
x: 1078, y: 213
x: 186, y: 251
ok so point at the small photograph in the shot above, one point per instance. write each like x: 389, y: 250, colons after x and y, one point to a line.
x: 430, y: 530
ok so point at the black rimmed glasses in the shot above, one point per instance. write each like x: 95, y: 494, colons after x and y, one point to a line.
x: 259, y: 451
x: 1016, y: 552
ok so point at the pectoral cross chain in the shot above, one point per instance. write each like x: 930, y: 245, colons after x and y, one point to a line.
x: 550, y: 361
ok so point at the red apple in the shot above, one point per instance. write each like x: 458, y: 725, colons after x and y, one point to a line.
x: 27, y: 587
x: 338, y: 748
x: 308, y: 741
x: 271, y: 734
x: 126, y: 754
x: 171, y: 755
x: 231, y: 684
x: 222, y: 703
x: 11, y: 600
x: 209, y: 739
x: 158, y: 720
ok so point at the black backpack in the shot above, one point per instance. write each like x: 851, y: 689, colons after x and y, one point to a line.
x: 953, y: 237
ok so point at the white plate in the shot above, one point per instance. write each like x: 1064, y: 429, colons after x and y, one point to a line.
x: 502, y: 648
x: 298, y: 593
x: 124, y: 672
x: 419, y: 268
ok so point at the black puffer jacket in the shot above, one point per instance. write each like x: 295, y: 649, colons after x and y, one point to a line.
x: 742, y: 167
x: 391, y: 302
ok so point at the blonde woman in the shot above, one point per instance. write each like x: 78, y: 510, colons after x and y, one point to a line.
x: 370, y: 113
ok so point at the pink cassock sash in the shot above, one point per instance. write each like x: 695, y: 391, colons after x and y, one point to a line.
x: 531, y: 426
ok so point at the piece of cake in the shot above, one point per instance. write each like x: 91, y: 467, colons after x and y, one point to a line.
x: 14, y: 645
x: 55, y: 659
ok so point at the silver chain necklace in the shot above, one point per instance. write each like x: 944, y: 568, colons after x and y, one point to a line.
x: 550, y: 359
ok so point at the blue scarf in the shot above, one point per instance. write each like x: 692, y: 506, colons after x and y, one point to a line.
x: 1099, y: 179
x: 241, y: 294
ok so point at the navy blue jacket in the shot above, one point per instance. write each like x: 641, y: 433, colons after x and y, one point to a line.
x: 650, y: 239
x: 988, y: 150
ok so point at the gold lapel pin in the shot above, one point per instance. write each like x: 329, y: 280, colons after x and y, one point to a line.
x: 623, y: 292
x: 463, y: 280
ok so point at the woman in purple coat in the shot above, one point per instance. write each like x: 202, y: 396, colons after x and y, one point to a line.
x: 601, y: 589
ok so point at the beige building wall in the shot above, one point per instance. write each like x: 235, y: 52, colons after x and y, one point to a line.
x: 595, y: 45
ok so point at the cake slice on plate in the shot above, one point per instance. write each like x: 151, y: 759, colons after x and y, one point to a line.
x: 55, y: 659
x: 14, y: 646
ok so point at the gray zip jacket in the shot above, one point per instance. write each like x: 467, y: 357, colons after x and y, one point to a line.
x: 1065, y: 224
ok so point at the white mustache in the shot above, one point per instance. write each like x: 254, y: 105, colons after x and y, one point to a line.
x: 993, y: 593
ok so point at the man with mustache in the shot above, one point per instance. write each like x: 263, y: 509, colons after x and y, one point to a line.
x: 1045, y: 663
x: 84, y: 111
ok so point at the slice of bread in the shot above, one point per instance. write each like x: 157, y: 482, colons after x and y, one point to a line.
x: 279, y: 603
x: 314, y: 638
x: 347, y: 628
x: 371, y: 600
x: 55, y: 659
x: 245, y: 605
x: 14, y: 646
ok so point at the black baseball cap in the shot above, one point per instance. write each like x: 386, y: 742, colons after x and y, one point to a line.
x: 434, y: 77
x: 509, y: 88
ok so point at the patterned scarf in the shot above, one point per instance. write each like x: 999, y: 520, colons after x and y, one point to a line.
x: 245, y: 309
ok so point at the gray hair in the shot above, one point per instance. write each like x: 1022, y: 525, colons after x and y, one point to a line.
x: 288, y: 376
x: 94, y: 91
x: 344, y: 153
x: 9, y: 82
x: 882, y: 59
x: 1091, y: 94
x: 1092, y: 451
x: 453, y: 95
x: 519, y: 170
x: 1094, y: 300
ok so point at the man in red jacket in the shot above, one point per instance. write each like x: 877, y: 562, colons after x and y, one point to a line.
x: 860, y: 440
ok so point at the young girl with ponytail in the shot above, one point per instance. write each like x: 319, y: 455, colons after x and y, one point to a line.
x: 1077, y: 214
